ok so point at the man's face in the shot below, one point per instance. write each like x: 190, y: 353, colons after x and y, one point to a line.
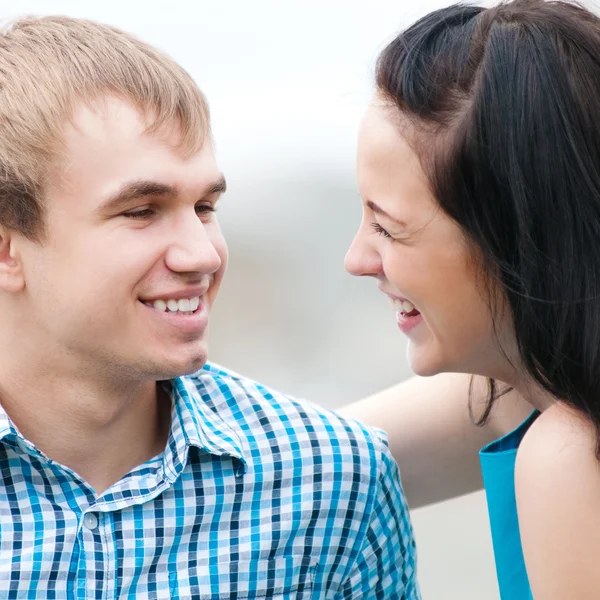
x: 131, y: 231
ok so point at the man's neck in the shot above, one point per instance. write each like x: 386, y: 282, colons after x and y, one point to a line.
x: 99, y: 432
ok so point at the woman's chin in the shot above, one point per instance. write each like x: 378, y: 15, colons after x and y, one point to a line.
x: 424, y: 361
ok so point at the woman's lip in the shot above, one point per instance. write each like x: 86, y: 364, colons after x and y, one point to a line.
x: 406, y: 323
x: 392, y: 297
x: 399, y: 304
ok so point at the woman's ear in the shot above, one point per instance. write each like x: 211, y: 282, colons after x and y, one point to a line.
x: 11, y: 272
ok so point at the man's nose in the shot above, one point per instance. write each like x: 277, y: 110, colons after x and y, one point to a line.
x: 193, y: 248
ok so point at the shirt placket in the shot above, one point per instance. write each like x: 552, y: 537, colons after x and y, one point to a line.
x: 97, y: 561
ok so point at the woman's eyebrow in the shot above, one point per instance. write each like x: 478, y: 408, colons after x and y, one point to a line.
x: 378, y: 210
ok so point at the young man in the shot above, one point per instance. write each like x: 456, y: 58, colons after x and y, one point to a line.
x: 131, y: 467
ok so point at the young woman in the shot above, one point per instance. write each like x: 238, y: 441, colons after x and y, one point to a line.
x: 479, y: 170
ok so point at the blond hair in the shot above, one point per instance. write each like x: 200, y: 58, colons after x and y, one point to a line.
x: 49, y: 66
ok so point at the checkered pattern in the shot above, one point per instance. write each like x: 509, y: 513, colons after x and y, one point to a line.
x: 256, y: 496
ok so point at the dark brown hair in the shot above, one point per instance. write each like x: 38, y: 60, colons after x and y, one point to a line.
x: 507, y: 104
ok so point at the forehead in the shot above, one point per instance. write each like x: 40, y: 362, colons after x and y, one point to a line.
x: 107, y: 142
x: 384, y: 149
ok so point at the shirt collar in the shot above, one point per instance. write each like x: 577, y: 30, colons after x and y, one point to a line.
x: 8, y: 429
x: 194, y: 423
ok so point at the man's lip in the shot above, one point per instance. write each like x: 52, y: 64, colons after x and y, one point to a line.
x: 189, y: 324
x: 177, y: 295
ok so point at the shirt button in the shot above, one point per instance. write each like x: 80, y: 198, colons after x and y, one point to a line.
x: 90, y: 520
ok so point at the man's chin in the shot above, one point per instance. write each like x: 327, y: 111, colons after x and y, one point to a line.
x: 185, y: 366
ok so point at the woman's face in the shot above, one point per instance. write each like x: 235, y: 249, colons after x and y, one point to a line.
x: 420, y: 258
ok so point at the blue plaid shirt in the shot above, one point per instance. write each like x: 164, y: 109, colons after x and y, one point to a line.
x: 255, y: 496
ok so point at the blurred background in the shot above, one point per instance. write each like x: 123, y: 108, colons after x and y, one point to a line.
x: 287, y: 83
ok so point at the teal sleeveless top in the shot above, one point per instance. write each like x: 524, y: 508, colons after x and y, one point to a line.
x: 498, y: 468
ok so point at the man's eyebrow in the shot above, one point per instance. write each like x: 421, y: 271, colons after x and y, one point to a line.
x: 218, y: 187
x: 379, y: 211
x: 145, y: 188
x: 136, y: 189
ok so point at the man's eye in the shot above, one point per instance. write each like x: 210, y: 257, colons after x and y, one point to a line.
x: 205, y: 208
x: 139, y: 214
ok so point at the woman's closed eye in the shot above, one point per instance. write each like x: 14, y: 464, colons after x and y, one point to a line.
x: 380, y: 230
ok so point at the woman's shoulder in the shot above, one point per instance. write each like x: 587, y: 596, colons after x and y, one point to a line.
x: 558, y: 455
x: 557, y: 485
x: 559, y: 431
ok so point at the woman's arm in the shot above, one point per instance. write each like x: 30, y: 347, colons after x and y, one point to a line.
x: 431, y: 434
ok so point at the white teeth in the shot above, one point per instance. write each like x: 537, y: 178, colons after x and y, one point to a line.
x: 160, y: 305
x: 407, y: 306
x: 184, y: 305
x: 403, y: 306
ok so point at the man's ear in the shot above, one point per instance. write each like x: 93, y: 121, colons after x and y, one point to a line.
x: 11, y: 270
